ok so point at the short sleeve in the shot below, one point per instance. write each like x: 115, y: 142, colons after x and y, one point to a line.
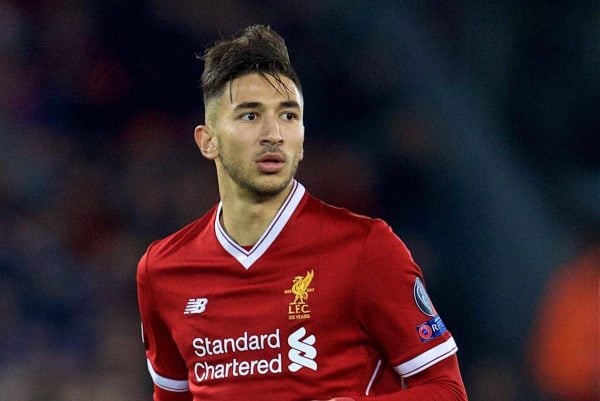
x: 394, y: 307
x: 165, y: 365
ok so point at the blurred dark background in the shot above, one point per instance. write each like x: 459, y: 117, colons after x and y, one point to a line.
x: 472, y: 128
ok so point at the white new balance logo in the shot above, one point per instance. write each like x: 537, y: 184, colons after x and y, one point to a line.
x: 302, y: 354
x: 195, y: 305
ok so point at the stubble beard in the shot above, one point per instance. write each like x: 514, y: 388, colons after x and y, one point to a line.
x: 252, y: 185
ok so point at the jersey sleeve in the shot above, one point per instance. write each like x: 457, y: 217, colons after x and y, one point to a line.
x: 393, y: 306
x: 165, y: 365
x: 441, y: 381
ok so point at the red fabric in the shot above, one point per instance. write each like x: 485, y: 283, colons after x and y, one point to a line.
x: 164, y: 395
x: 239, y: 332
x: 441, y: 382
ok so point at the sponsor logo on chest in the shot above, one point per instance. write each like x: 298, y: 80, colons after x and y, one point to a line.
x: 239, y: 358
x: 257, y: 353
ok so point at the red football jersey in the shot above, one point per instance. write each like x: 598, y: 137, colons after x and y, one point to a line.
x: 321, y: 306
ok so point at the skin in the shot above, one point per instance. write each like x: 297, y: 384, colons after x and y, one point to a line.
x: 254, y: 133
x: 252, y: 123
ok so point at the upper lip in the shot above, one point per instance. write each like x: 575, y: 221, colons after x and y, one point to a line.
x: 271, y: 157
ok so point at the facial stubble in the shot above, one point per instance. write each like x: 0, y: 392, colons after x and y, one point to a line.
x: 245, y: 180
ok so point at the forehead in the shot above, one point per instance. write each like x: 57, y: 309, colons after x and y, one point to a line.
x: 263, y: 89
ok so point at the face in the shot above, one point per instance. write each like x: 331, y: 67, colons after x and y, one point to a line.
x: 255, y: 134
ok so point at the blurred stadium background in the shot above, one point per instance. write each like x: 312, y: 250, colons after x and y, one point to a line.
x: 471, y: 127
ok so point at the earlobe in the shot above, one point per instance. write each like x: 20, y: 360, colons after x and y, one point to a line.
x: 206, y: 142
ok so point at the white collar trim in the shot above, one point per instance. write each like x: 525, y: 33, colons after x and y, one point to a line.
x: 247, y: 258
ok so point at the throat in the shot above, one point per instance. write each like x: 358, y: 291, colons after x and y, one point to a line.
x: 245, y: 229
x: 245, y: 220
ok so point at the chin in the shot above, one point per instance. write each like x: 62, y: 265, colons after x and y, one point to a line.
x: 271, y: 186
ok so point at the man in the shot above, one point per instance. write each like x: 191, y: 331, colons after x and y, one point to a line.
x: 273, y: 294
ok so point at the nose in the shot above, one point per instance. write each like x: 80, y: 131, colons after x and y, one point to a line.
x: 271, y: 132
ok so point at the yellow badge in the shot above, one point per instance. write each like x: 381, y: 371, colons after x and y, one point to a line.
x: 299, y: 309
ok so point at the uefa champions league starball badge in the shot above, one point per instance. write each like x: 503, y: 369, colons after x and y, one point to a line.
x: 422, y: 299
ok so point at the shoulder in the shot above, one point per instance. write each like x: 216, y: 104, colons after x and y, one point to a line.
x: 374, y: 235
x: 182, y: 239
x: 340, y: 219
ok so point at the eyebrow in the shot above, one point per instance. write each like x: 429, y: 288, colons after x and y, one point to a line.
x: 253, y: 105
x: 290, y: 104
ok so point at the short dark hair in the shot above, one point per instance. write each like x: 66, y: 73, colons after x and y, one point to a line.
x: 258, y: 49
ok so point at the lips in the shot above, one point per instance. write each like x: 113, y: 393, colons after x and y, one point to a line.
x: 270, y: 162
x: 271, y: 158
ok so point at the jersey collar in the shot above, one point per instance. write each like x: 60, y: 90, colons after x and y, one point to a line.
x: 247, y: 258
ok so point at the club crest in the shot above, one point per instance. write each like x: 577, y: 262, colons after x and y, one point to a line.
x: 298, y: 308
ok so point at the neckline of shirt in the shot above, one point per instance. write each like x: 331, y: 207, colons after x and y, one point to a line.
x: 247, y: 257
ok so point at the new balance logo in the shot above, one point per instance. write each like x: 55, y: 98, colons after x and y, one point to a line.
x: 195, y: 305
x: 302, y: 353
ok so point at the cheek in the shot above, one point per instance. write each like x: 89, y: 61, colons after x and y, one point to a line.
x: 231, y: 144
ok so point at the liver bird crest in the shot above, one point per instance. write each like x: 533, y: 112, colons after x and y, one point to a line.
x: 300, y: 287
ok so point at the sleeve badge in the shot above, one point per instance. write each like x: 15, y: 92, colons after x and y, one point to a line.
x: 422, y: 299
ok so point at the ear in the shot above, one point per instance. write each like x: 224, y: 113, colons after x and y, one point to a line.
x: 206, y: 142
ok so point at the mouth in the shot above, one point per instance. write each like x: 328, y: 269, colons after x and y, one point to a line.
x: 270, y: 162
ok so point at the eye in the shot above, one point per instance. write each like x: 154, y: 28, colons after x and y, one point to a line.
x: 249, y: 116
x: 289, y: 116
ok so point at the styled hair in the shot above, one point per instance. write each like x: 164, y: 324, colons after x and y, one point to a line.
x: 256, y: 49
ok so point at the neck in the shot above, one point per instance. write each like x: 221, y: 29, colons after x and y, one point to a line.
x: 245, y: 218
